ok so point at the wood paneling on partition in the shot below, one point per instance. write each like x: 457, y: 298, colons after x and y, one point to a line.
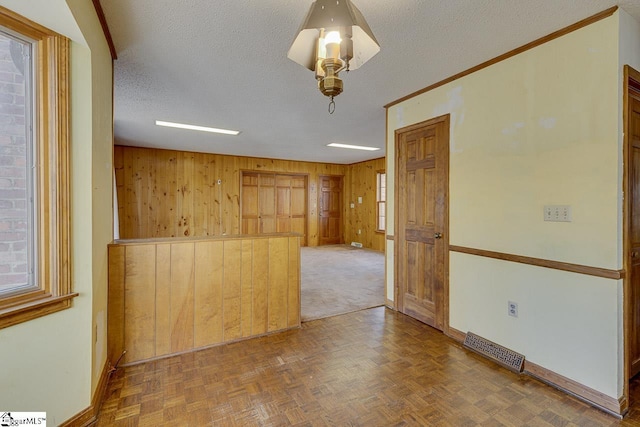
x: 163, y: 296
x: 260, y: 275
x: 175, y: 295
x: 361, y: 181
x: 163, y: 193
x: 139, y: 287
x: 115, y: 307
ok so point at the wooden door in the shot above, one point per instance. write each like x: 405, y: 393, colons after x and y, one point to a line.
x: 421, y: 248
x: 250, y: 214
x: 330, y: 210
x: 634, y: 232
x: 258, y: 203
x: 291, y: 205
x: 283, y: 203
x: 267, y: 203
x: 274, y: 203
x: 299, y: 206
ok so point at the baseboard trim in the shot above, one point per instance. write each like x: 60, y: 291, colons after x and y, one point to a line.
x: 390, y: 304
x: 456, y: 335
x: 89, y: 415
x: 610, y: 405
x: 623, y: 403
x: 616, y: 407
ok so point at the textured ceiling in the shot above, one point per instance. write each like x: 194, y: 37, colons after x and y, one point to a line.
x: 224, y: 64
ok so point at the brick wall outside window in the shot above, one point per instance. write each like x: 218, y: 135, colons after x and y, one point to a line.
x: 13, y: 172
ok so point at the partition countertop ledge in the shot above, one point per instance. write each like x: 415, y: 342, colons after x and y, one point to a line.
x: 155, y: 240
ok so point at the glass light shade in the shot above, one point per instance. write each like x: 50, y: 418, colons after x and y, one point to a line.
x: 332, y: 16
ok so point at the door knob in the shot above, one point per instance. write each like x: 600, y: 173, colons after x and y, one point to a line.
x: 634, y: 254
x: 437, y: 236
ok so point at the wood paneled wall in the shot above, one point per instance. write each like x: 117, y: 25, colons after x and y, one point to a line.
x: 169, y: 296
x: 164, y: 193
x: 361, y: 182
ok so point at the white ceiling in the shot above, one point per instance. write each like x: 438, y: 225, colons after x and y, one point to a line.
x: 224, y: 63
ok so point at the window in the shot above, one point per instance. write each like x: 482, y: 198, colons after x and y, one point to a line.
x: 381, y: 198
x: 16, y: 174
x: 34, y: 171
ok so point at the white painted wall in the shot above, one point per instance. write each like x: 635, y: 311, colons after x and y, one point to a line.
x: 101, y: 173
x: 537, y: 129
x: 389, y: 269
x: 52, y: 363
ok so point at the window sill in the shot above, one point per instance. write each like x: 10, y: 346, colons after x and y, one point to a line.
x: 379, y: 231
x: 10, y: 316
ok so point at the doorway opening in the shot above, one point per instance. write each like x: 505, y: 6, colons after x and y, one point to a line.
x: 338, y: 278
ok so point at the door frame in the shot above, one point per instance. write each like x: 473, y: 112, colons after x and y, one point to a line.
x: 399, y: 303
x: 631, y: 83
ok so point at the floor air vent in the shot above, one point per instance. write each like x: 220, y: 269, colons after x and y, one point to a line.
x: 505, y: 357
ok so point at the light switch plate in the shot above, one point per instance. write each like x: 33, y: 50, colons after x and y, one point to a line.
x: 557, y: 213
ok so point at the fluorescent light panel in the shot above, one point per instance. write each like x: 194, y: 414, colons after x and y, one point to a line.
x: 352, y: 147
x: 193, y: 127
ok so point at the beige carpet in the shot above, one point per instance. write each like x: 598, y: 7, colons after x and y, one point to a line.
x: 340, y: 279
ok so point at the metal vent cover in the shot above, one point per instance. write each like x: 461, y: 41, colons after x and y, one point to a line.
x: 502, y: 355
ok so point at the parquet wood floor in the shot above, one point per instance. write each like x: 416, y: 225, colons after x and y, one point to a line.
x: 374, y: 367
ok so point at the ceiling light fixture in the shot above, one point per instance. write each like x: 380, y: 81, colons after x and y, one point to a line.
x: 352, y: 147
x: 194, y: 127
x: 334, y: 36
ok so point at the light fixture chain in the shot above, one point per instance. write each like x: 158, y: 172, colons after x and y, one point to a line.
x: 332, y: 106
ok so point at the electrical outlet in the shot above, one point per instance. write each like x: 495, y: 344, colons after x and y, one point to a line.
x: 512, y: 308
